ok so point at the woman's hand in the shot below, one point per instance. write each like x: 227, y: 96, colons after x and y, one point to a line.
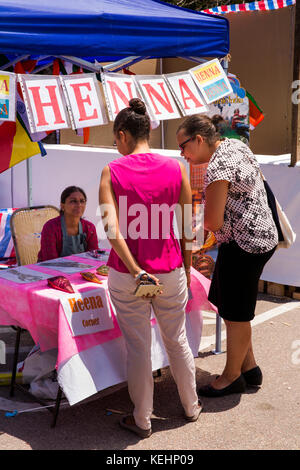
x: 144, y: 278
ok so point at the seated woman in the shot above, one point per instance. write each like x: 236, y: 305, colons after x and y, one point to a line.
x: 64, y: 235
x: 68, y: 233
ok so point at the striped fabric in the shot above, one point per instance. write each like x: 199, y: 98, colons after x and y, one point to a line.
x: 261, y: 5
x: 6, y: 243
x: 197, y: 173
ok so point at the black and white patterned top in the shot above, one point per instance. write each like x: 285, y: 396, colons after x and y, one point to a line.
x: 247, y: 219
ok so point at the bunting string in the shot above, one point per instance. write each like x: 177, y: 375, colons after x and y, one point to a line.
x: 262, y: 5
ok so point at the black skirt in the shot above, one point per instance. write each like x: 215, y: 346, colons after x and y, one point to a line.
x: 234, y: 285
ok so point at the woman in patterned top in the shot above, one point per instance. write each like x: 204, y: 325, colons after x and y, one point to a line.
x: 237, y: 211
x: 68, y: 233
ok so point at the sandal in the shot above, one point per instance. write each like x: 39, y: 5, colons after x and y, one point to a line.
x: 143, y: 433
x: 195, y: 417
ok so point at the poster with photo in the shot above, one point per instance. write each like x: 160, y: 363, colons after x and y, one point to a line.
x: 234, y: 111
x: 23, y: 275
x: 65, y: 265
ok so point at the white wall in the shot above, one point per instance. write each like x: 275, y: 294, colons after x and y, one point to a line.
x: 283, y: 267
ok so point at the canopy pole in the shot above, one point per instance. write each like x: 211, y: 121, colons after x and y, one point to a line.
x: 12, y: 186
x: 121, y: 64
x: 29, y: 181
x: 162, y: 127
x: 97, y: 67
x: 81, y: 63
x: 13, y: 62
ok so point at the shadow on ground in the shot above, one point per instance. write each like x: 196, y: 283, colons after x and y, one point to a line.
x: 89, y: 426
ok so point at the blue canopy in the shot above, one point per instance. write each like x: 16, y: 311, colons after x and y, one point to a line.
x: 109, y: 28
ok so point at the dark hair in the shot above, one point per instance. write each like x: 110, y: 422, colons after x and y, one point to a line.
x: 68, y: 191
x: 134, y: 119
x: 205, y: 126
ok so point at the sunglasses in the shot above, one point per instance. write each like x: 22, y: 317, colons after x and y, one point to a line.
x: 181, y: 146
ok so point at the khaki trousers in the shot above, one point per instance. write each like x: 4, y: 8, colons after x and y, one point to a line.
x: 133, y: 314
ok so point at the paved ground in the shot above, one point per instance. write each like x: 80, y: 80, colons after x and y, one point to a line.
x: 263, y: 419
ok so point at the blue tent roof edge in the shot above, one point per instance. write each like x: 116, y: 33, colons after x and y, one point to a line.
x: 148, y: 28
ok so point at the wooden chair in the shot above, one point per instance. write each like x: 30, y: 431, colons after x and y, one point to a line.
x: 26, y: 225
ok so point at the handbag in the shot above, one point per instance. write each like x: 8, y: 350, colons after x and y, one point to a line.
x: 286, y: 234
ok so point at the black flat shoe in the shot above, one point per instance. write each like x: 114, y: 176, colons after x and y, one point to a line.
x: 238, y: 386
x: 253, y: 376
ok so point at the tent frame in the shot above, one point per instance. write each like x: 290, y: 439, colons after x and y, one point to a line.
x: 93, y: 67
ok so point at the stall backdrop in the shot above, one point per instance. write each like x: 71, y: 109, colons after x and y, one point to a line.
x: 111, y: 30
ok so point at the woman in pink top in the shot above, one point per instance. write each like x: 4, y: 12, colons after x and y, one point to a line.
x: 138, y: 195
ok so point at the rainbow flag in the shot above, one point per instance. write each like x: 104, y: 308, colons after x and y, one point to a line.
x: 255, y: 113
x: 16, y: 144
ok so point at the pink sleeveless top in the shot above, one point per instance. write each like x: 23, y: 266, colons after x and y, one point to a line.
x: 147, y: 188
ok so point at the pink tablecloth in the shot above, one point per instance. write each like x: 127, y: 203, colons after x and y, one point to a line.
x: 37, y: 308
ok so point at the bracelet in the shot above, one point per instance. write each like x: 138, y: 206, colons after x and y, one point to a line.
x: 140, y: 274
x: 188, y: 269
